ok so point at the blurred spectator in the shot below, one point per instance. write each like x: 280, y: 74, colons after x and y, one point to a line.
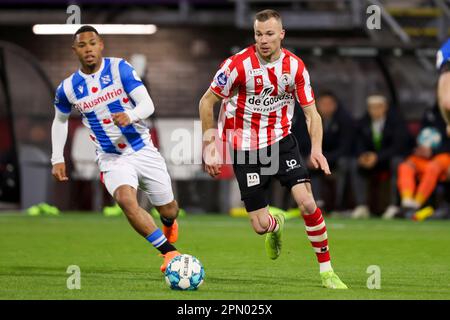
x: 381, y: 142
x: 429, y: 163
x: 338, y: 134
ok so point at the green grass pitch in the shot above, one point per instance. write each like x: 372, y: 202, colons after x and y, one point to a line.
x: 116, y: 263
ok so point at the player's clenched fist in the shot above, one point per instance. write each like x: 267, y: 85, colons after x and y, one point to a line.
x: 59, y: 171
x: 121, y: 119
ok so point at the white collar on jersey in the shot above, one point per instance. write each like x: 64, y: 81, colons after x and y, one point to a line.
x: 269, y: 64
x: 93, y: 75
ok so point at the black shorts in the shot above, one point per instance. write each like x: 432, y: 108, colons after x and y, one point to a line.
x: 255, y: 169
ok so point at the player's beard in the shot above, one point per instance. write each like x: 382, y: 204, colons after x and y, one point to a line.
x: 92, y: 65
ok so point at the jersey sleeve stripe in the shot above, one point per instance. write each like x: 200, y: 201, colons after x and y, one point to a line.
x: 61, y: 101
x: 217, y: 91
x: 305, y: 95
x: 128, y: 76
x: 307, y: 87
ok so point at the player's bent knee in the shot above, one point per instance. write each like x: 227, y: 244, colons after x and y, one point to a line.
x: 258, y: 227
x: 305, y: 201
x: 169, y: 210
x: 309, y: 205
x: 260, y: 231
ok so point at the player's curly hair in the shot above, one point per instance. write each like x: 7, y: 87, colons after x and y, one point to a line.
x: 265, y: 15
x: 86, y: 28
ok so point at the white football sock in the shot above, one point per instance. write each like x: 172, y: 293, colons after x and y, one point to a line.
x: 325, y: 266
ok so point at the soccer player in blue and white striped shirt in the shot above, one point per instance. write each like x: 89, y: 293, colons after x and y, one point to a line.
x: 113, y: 103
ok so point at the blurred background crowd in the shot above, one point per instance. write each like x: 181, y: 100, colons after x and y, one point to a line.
x: 375, y: 89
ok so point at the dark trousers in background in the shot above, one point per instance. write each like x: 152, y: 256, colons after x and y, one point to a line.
x: 321, y: 184
x: 361, y: 177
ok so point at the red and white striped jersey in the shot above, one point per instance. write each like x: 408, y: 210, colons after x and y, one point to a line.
x: 258, y: 97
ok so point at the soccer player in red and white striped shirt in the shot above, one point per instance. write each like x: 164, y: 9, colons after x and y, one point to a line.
x: 257, y: 89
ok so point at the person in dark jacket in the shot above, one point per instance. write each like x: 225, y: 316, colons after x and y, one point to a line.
x: 381, y: 142
x: 338, y: 132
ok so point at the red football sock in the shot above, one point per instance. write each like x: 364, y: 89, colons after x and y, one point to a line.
x: 317, y: 234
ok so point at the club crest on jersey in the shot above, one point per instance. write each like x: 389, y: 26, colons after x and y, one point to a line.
x: 286, y: 79
x: 106, y: 79
x: 227, y: 72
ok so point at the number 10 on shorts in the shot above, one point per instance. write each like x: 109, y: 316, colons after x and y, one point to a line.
x: 252, y: 179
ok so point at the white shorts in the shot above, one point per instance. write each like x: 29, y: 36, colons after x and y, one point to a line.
x: 145, y: 169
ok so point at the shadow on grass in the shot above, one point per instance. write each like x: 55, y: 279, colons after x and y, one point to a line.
x: 58, y: 271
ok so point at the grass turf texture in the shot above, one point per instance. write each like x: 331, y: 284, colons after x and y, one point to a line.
x: 116, y: 263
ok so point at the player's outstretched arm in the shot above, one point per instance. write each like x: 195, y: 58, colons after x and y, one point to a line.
x: 59, y: 137
x: 209, y: 150
x: 314, y: 123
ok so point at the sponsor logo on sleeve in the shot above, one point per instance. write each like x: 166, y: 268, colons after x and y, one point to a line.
x: 221, y: 79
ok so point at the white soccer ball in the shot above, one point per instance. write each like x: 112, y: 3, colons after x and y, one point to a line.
x: 184, y: 272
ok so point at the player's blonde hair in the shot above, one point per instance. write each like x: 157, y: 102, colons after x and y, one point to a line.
x: 267, y: 14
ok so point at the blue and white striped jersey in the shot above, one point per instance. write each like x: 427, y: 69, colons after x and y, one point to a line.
x: 96, y: 96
